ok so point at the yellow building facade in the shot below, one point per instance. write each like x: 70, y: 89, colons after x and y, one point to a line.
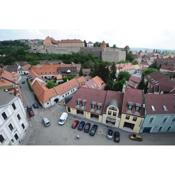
x: 130, y: 123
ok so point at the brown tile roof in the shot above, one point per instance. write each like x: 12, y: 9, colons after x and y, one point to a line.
x: 95, y: 83
x: 96, y: 95
x: 89, y: 95
x: 71, y: 41
x: 157, y: 101
x: 164, y: 83
x: 134, y: 96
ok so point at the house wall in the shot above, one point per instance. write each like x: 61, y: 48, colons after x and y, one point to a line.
x: 85, y: 115
x: 52, y: 102
x: 12, y: 119
x: 158, y: 122
x: 137, y: 123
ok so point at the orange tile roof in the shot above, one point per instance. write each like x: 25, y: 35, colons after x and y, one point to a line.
x: 44, y: 94
x: 11, y: 76
x: 43, y: 69
x: 26, y: 67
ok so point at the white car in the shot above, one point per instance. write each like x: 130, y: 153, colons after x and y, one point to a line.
x: 46, y: 121
x: 63, y: 118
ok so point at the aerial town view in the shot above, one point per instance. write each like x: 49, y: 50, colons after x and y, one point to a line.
x: 82, y: 92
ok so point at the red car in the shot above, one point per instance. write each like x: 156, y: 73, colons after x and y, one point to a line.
x: 75, y: 124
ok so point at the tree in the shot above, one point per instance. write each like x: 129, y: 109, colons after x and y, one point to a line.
x: 114, y: 46
x: 118, y: 85
x: 97, y: 44
x: 134, y: 62
x: 81, y: 72
x: 85, y: 43
x: 50, y: 84
x: 102, y: 71
x: 148, y: 71
x: 123, y: 76
x: 129, y: 56
x: 113, y: 71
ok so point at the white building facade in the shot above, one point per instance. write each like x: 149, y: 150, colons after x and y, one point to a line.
x: 13, y: 120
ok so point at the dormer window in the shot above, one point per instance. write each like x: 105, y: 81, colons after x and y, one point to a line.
x: 130, y: 105
x: 78, y: 101
x: 93, y: 104
x: 84, y: 102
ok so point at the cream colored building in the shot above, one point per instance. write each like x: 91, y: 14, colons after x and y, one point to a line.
x: 97, y: 105
x: 132, y: 110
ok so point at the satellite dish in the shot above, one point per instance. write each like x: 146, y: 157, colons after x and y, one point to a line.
x: 68, y: 71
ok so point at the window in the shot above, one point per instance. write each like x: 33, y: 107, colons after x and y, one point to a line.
x: 164, y: 120
x: 68, y: 109
x: 23, y: 126
x: 160, y: 129
x: 11, y: 127
x: 18, y: 116
x: 114, y: 113
x: 134, y: 118
x: 127, y: 117
x: 151, y: 119
x: 1, y: 138
x: 168, y: 128
x: 4, y: 116
x: 16, y: 136
x: 109, y: 112
x: 13, y: 105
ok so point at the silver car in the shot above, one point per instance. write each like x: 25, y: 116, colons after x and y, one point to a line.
x: 45, y: 121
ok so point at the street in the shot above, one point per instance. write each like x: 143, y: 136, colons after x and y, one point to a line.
x: 64, y: 135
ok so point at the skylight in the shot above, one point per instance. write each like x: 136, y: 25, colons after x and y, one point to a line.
x: 165, y: 108
x: 153, y: 108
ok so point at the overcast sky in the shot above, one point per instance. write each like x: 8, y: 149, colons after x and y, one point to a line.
x: 137, y: 23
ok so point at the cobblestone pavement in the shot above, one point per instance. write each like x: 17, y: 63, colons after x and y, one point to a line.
x: 37, y: 134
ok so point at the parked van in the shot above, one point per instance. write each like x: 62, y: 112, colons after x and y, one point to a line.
x: 46, y: 121
x: 63, y: 118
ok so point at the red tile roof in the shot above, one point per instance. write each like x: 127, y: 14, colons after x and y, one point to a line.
x: 95, y: 95
x: 157, y: 101
x: 134, y: 96
x: 164, y: 83
x: 95, y: 83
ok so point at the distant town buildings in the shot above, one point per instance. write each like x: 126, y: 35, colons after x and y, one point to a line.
x: 13, y: 120
x: 159, y: 83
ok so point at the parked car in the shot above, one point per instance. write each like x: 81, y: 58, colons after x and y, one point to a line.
x: 30, y: 112
x: 75, y: 124
x: 81, y: 125
x: 116, y: 136
x: 110, y: 134
x: 63, y: 118
x: 136, y: 137
x: 35, y: 105
x: 45, y: 121
x: 87, y: 127
x: 93, y: 130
